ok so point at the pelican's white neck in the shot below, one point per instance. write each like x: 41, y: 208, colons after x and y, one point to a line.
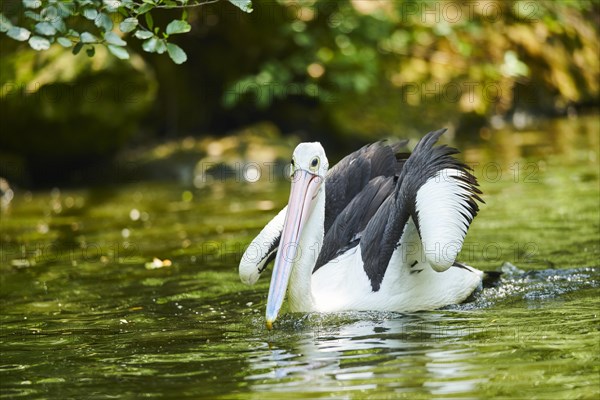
x: 311, y: 240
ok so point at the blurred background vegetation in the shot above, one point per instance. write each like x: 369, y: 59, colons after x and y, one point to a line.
x: 342, y: 72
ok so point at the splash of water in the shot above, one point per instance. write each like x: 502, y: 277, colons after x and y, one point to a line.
x: 515, y: 285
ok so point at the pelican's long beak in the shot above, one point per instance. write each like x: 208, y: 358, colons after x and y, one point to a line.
x: 305, y: 187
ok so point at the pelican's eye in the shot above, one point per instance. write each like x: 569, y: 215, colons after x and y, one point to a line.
x: 292, y: 167
x: 314, y: 164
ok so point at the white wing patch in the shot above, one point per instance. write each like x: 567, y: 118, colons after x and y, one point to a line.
x: 257, y: 253
x: 443, y: 210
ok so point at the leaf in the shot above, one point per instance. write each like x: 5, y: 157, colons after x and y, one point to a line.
x: 90, y: 13
x: 114, y: 39
x: 33, y: 15
x: 50, y: 13
x: 5, y: 24
x: 104, y: 21
x: 150, y: 45
x: 17, y: 33
x: 90, y: 51
x: 244, y: 5
x: 33, y: 4
x: 176, y: 53
x: 178, y: 26
x: 128, y: 24
x: 144, y: 8
x: 65, y: 9
x: 45, y: 28
x: 118, y: 52
x: 87, y: 37
x: 149, y: 21
x: 154, y: 45
x: 129, y: 4
x: 161, y: 46
x: 64, y: 42
x: 141, y: 34
x: 77, y: 48
x: 59, y: 25
x: 39, y: 43
x: 112, y: 5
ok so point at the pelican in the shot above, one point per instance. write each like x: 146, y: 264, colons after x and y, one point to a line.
x: 379, y: 231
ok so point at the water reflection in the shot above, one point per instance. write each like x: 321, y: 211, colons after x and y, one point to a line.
x: 421, y: 354
x: 406, y: 353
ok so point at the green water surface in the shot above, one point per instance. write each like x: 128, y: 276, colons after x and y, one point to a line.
x: 85, y: 314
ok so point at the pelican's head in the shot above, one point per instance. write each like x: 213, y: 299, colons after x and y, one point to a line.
x: 308, y: 170
x: 309, y: 157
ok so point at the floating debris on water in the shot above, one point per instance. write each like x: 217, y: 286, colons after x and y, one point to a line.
x: 158, y: 263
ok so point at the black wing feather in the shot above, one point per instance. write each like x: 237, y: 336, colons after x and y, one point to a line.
x: 347, y: 228
x: 384, y: 231
x: 350, y: 176
x: 371, y: 194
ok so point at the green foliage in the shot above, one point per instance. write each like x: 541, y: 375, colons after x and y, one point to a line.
x: 372, y: 64
x: 78, y: 23
x: 176, y: 53
x: 342, y: 69
x: 244, y: 5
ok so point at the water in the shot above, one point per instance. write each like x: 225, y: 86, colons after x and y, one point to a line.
x: 86, y: 313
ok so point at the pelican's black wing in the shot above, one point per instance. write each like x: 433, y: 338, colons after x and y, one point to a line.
x: 439, y: 193
x: 354, y: 190
x: 354, y: 172
x: 430, y: 186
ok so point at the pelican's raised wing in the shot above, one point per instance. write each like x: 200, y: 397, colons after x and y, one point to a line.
x: 261, y: 250
x: 439, y: 194
x: 432, y: 188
